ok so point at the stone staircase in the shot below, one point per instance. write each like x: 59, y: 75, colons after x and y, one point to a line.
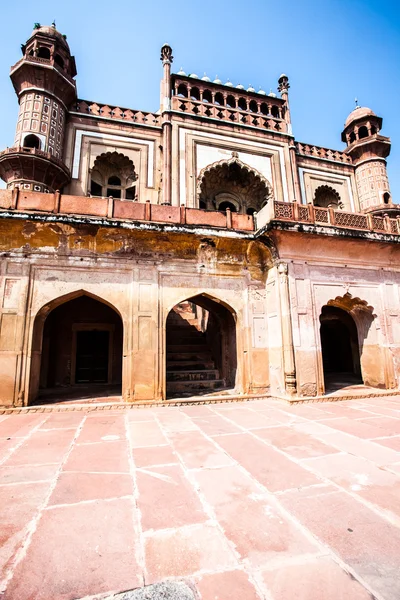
x: 191, y: 370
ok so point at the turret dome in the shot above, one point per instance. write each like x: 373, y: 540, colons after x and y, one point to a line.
x: 359, y: 113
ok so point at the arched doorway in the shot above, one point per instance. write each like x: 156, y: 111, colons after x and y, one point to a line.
x: 76, y: 349
x: 201, y: 355
x: 340, y: 348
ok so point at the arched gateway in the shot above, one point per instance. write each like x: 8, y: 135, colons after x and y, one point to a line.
x: 77, y: 343
x: 201, y: 355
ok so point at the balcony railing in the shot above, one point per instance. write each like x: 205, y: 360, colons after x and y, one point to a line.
x: 324, y: 153
x: 310, y: 214
x: 35, y: 152
x: 115, y: 112
x: 122, y: 210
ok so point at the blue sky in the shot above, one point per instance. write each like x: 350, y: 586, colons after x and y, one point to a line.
x: 332, y: 51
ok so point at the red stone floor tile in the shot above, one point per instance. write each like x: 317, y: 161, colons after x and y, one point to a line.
x: 29, y: 473
x: 20, y: 425
x: 146, y: 433
x: 370, y: 450
x: 271, y: 468
x: 390, y: 442
x: 107, y: 428
x: 62, y: 420
x: 354, y: 427
x: 196, y: 411
x: 106, y: 457
x: 246, y: 418
x: 365, y: 541
x: 388, y: 425
x: 255, y: 524
x: 7, y: 446
x: 173, y: 421
x: 318, y: 578
x: 19, y: 504
x: 350, y: 468
x: 76, y: 487
x: 139, y: 415
x: 230, y: 585
x: 79, y: 550
x: 166, y: 498
x: 154, y: 455
x: 280, y: 417
x: 197, y: 452
x: 44, y: 447
x: 293, y: 442
x: 185, y: 551
x: 216, y: 425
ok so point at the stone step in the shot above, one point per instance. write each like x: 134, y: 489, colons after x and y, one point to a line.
x: 187, y: 348
x: 193, y: 375
x: 188, y: 365
x: 194, y: 387
x: 193, y: 356
x: 185, y: 340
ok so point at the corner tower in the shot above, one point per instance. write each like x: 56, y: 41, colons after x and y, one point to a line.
x: 368, y: 150
x: 43, y: 80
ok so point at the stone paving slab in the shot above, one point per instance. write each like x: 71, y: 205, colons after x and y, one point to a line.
x: 257, y: 500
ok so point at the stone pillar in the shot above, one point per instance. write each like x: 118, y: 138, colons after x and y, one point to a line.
x: 287, y: 334
x: 167, y: 58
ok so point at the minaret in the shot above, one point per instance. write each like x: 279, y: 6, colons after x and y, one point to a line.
x: 166, y: 58
x: 283, y: 88
x: 369, y: 150
x: 44, y: 83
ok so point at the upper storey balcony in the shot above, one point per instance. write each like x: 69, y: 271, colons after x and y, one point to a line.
x: 218, y: 102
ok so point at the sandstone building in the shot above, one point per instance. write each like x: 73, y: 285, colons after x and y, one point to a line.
x: 193, y: 250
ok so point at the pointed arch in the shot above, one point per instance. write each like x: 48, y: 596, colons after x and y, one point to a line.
x: 77, y: 338
x: 201, y: 354
x: 233, y: 181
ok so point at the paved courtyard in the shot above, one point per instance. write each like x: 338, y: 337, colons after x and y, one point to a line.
x: 242, y: 500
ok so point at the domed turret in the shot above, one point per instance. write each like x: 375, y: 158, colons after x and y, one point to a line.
x: 368, y: 150
x: 44, y: 82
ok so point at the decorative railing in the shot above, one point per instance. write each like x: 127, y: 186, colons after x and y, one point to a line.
x: 112, y: 208
x: 225, y: 103
x: 115, y: 112
x: 35, y: 152
x: 324, y: 153
x: 300, y: 213
x: 44, y: 61
x: 233, y: 115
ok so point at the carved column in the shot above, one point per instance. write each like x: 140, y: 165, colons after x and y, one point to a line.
x: 287, y: 334
x: 167, y: 58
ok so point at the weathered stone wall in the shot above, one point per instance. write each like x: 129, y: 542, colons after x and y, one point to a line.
x: 141, y: 275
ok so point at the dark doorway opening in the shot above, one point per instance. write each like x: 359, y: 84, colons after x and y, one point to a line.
x: 201, y: 355
x: 92, y: 356
x: 77, y: 351
x: 340, y: 349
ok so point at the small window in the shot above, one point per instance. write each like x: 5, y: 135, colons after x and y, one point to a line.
x: 114, y: 192
x: 362, y: 132
x: 130, y: 193
x: 352, y: 137
x: 32, y: 141
x: 386, y: 197
x: 219, y: 99
x: 113, y: 180
x: 44, y: 52
x: 253, y: 106
x: 182, y: 91
x: 275, y: 112
x: 195, y: 93
x: 242, y: 104
x: 95, y: 189
x: 59, y: 60
x: 225, y: 205
x: 231, y: 102
x: 207, y: 97
x: 264, y: 109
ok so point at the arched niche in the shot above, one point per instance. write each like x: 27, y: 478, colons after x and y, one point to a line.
x: 113, y: 174
x: 353, y: 318
x: 201, y: 347
x: 234, y: 182
x: 326, y: 197
x: 77, y: 343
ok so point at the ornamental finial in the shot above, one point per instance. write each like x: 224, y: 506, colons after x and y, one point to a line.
x: 283, y: 84
x: 166, y: 54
